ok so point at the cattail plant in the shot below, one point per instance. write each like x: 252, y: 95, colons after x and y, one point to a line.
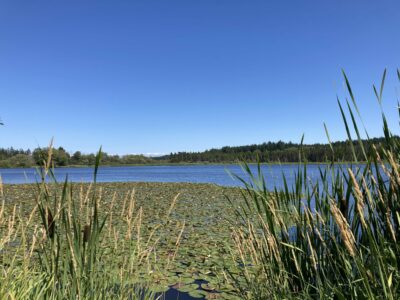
x: 336, y: 237
x: 63, y: 256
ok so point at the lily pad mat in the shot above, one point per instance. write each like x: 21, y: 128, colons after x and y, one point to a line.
x: 202, y: 210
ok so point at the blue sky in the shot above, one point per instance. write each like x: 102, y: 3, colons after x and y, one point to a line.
x: 165, y: 76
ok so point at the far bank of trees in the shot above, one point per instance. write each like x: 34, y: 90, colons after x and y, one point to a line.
x: 265, y: 152
x: 276, y: 152
x: 61, y: 158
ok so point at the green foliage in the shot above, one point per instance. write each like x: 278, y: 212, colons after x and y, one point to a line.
x: 18, y: 160
x: 333, y: 239
x: 59, y: 157
x: 70, y: 253
x: 12, y: 158
x: 76, y: 157
x: 15, y: 158
x: 264, y: 153
x: 337, y: 238
x: 203, y: 247
x: 64, y: 257
x: 278, y: 152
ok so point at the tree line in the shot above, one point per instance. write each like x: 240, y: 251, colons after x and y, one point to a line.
x: 61, y: 158
x: 266, y: 152
x: 278, y: 152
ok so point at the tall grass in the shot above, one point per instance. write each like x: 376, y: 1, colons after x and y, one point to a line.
x: 337, y: 237
x: 68, y: 248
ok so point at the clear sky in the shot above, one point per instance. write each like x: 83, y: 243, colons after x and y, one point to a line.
x: 162, y: 76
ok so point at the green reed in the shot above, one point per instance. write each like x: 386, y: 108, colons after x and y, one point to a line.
x: 64, y: 256
x: 335, y: 238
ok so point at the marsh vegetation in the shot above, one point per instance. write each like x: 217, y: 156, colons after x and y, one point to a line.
x: 335, y: 238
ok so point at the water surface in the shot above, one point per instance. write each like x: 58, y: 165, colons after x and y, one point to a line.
x: 216, y: 174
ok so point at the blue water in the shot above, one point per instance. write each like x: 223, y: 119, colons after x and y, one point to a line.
x: 217, y: 174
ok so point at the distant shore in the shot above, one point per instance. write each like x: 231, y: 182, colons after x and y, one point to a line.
x: 189, y: 164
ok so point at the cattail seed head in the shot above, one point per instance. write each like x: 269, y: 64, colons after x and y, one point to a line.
x: 86, y: 233
x: 344, y: 228
x: 359, y: 198
x: 50, y: 223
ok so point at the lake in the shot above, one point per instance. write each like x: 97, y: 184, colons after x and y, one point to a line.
x: 198, y: 202
x: 216, y: 174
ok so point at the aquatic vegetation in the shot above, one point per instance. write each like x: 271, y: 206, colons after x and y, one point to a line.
x: 336, y: 237
x: 343, y: 240
x: 116, y: 240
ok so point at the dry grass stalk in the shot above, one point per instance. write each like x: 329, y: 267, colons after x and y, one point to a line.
x: 138, y: 229
x: 320, y: 219
x: 129, y: 215
x: 153, y: 231
x: 110, y: 213
x: 86, y: 199
x: 2, y: 210
x: 359, y: 198
x: 254, y: 244
x: 30, y: 218
x: 395, y: 167
x: 344, y: 228
x: 380, y: 197
x: 296, y: 263
x: 149, y: 250
x: 11, y: 221
x: 116, y: 238
x: 49, y: 156
x: 99, y: 197
x: 316, y: 231
x: 88, y: 211
x: 131, y: 204
x: 74, y: 261
x: 81, y: 196
x: 124, y: 204
x: 371, y: 203
x: 34, y: 239
x: 380, y: 162
x: 308, y: 215
x: 178, y: 240
x: 390, y: 225
x: 270, y: 240
x: 1, y: 188
x: 172, y: 206
x: 312, y: 253
x: 11, y: 230
x: 241, y: 245
x: 394, y: 179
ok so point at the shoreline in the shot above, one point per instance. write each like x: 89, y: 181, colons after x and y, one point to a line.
x: 191, y: 164
x: 139, y: 183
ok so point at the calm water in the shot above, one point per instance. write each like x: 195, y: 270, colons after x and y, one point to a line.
x: 217, y: 174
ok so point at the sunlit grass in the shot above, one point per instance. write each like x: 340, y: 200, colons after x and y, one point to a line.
x: 337, y: 237
x: 58, y: 251
x: 342, y: 237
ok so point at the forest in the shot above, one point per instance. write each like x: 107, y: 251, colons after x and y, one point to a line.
x: 285, y: 152
x: 13, y: 158
x: 268, y: 152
